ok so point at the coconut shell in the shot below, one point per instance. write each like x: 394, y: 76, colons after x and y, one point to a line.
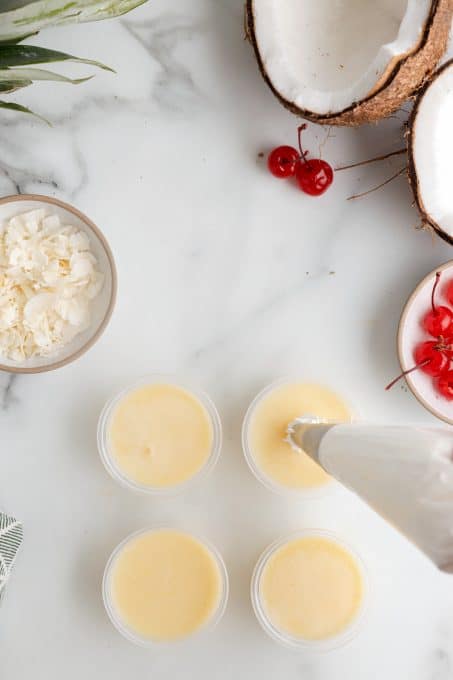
x: 411, y: 171
x: 403, y: 76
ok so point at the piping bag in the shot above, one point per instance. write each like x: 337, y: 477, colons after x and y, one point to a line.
x: 405, y: 473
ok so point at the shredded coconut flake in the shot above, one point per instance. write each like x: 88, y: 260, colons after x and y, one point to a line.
x: 48, y: 279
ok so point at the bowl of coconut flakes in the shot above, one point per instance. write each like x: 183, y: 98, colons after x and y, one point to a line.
x: 57, y: 283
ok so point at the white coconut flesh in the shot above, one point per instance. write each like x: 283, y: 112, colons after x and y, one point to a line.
x: 432, y: 150
x: 324, y: 55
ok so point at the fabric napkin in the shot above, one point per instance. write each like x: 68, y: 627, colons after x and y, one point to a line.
x: 11, y: 534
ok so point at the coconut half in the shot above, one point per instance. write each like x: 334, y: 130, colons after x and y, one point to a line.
x: 347, y: 62
x: 430, y: 150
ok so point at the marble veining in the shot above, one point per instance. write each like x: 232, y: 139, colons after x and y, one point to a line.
x: 7, y: 393
x: 174, y: 88
x: 442, y: 669
x: 232, y: 279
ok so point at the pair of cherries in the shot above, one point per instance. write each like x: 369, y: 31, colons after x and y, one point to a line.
x: 434, y: 357
x: 314, y: 176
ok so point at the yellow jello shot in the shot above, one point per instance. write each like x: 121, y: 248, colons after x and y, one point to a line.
x: 309, y: 590
x: 159, y: 435
x: 164, y: 585
x: 272, y: 459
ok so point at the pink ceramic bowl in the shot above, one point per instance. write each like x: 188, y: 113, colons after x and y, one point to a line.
x: 410, y: 333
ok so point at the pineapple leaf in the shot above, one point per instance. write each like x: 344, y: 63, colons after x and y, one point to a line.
x: 13, y: 85
x: 8, y: 75
x: 25, y: 55
x: 12, y: 106
x: 36, y: 14
x: 14, y: 41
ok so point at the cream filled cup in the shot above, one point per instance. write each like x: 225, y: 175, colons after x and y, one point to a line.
x: 310, y: 591
x: 159, y: 436
x: 163, y: 586
x: 269, y: 455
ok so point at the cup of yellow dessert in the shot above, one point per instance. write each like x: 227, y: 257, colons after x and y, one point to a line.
x: 159, y: 435
x: 272, y: 459
x: 309, y: 591
x: 163, y: 586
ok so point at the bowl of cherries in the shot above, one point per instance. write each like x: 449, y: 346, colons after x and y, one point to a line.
x: 425, y: 343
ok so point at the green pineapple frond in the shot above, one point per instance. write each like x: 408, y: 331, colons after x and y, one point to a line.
x: 29, y: 17
x: 25, y: 55
x: 12, y: 106
x: 17, y: 70
x: 21, y: 19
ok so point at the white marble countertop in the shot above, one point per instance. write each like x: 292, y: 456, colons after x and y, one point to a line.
x: 230, y: 277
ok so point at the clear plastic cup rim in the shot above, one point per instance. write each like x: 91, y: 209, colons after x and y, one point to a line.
x: 300, y: 493
x: 285, y: 638
x: 132, y: 635
x: 115, y: 471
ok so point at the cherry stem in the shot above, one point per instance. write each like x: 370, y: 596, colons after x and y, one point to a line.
x: 403, y: 375
x: 433, y: 292
x: 442, y: 345
x: 379, y: 186
x: 300, y: 129
x: 372, y: 160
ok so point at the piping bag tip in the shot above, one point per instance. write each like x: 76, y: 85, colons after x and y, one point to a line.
x: 304, y: 433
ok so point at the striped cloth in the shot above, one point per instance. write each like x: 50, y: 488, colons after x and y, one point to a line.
x: 10, y: 539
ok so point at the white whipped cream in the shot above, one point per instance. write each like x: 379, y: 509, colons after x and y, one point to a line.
x: 48, y: 279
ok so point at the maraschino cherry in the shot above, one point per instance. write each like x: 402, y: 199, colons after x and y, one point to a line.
x: 445, y: 385
x: 439, y: 320
x: 314, y: 175
x: 429, y: 358
x: 282, y: 161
